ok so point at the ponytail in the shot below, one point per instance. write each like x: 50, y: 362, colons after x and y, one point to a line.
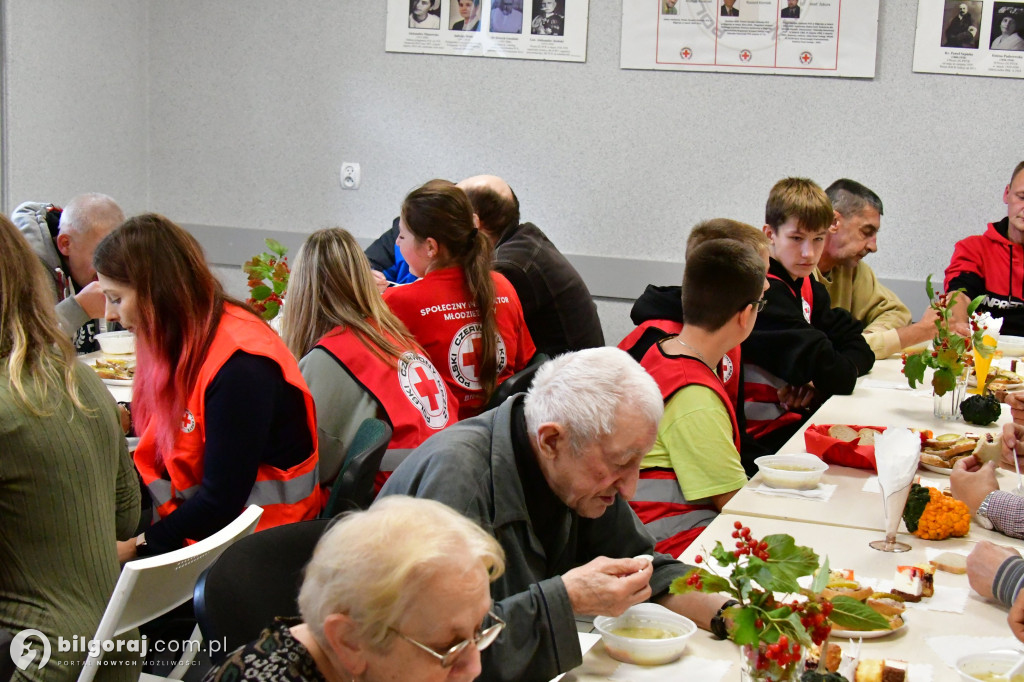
x: 476, y: 264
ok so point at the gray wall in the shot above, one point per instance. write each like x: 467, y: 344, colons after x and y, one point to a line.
x: 238, y: 114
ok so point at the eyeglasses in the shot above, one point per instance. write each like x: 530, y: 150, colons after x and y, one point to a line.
x: 481, y: 640
x: 760, y: 303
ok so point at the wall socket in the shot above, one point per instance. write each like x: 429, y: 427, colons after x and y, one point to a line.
x: 349, y: 175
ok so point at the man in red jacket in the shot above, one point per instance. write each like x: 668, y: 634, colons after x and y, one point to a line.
x: 992, y: 264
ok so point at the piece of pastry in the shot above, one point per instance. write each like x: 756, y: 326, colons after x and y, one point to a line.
x: 908, y: 583
x: 988, y: 449
x: 886, y: 603
x: 843, y: 432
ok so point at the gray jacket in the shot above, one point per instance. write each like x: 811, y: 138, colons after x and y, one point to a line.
x: 30, y: 219
x: 471, y: 467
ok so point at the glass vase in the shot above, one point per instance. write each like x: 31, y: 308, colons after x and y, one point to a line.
x: 755, y: 666
x: 947, y: 407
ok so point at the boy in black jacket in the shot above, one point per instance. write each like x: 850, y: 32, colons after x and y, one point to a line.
x: 801, y: 350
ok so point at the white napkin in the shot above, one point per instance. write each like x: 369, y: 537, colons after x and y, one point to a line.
x: 822, y: 492
x: 991, y: 325
x: 949, y: 648
x: 949, y: 599
x: 897, y: 452
x: 686, y: 668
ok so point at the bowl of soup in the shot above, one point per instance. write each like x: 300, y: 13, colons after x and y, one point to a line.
x: 117, y: 343
x: 796, y: 472
x: 990, y: 666
x: 645, y: 634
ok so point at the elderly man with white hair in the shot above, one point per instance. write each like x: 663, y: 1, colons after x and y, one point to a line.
x: 64, y: 241
x: 549, y: 474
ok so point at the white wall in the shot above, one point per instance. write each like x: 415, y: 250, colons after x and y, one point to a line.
x: 77, y: 88
x: 253, y: 105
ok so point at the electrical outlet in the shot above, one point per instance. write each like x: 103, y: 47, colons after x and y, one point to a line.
x: 349, y: 175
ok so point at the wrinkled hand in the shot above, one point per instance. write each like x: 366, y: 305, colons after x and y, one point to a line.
x: 607, y: 587
x: 970, y: 482
x: 796, y: 397
x: 1016, y: 402
x: 1016, y: 617
x: 379, y: 280
x: 92, y: 300
x: 982, y: 564
x: 1013, y: 442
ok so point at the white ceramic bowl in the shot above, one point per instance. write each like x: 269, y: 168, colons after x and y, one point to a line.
x: 796, y: 472
x: 646, y: 651
x: 1012, y: 346
x: 988, y: 662
x: 117, y: 343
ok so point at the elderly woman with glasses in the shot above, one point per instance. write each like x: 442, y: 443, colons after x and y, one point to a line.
x: 400, y: 591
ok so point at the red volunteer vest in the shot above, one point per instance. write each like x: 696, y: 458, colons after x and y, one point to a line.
x: 673, y: 520
x: 410, y: 390
x: 285, y: 495
x: 728, y: 368
x: 761, y: 407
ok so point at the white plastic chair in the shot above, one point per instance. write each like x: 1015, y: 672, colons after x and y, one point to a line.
x: 150, y: 587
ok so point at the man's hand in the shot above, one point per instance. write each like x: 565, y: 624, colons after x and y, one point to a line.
x: 127, y: 550
x: 1013, y: 442
x: 607, y: 587
x: 982, y: 564
x: 92, y: 300
x: 919, y: 332
x: 796, y: 397
x: 970, y: 482
x: 1016, y: 617
x: 1016, y: 402
x: 380, y: 280
x: 958, y: 315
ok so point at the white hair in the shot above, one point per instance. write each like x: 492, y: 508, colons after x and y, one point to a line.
x: 88, y: 212
x: 372, y: 564
x: 583, y: 391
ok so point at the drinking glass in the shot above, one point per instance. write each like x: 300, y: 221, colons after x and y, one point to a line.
x: 893, y: 508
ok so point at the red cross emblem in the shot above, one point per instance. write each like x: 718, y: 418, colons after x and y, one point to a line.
x: 686, y: 53
x: 469, y: 358
x: 805, y: 57
x: 745, y: 56
x: 426, y: 388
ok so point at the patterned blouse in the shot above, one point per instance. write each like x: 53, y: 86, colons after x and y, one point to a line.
x: 274, y: 656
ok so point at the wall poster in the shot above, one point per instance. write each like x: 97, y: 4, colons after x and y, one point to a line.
x: 970, y: 37
x: 513, y: 29
x: 792, y: 37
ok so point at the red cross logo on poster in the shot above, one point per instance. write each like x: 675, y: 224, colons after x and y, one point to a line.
x: 686, y: 53
x: 464, y: 355
x: 806, y: 58
x: 745, y: 56
x: 424, y: 387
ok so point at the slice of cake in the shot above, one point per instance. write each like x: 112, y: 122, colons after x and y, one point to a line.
x: 886, y: 670
x: 909, y: 583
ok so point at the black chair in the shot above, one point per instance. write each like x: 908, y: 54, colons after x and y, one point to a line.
x: 252, y: 582
x: 353, y: 488
x: 517, y: 383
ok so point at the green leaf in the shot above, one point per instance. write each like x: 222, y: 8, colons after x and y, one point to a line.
x: 723, y: 555
x: 280, y: 288
x: 743, y: 631
x: 914, y: 369
x: 272, y: 309
x: 850, y: 614
x: 277, y: 247
x: 929, y: 288
x: 821, y: 579
x: 261, y: 292
x: 973, y: 305
x: 942, y: 381
x: 787, y: 562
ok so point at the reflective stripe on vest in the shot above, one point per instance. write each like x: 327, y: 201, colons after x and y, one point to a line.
x: 761, y: 405
x: 264, y: 493
x: 667, y: 515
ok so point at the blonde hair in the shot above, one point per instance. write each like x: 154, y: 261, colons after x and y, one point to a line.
x: 330, y: 287
x: 32, y: 344
x: 372, y: 564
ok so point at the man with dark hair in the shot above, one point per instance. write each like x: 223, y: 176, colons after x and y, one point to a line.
x: 801, y: 350
x: 559, y: 311
x: 992, y: 264
x: 792, y: 11
x: 64, y: 241
x: 852, y: 284
x: 695, y: 467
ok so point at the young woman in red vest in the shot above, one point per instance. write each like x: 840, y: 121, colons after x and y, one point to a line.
x: 357, y: 357
x: 224, y: 415
x: 467, y: 317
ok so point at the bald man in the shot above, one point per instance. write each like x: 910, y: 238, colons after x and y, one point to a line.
x: 559, y: 311
x: 64, y: 241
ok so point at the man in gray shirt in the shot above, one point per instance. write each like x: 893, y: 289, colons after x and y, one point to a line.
x: 548, y: 474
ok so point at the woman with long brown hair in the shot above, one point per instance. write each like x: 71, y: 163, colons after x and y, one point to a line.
x: 67, y: 486
x: 357, y: 357
x: 224, y: 415
x: 467, y: 317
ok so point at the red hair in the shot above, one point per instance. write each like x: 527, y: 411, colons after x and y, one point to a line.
x: 179, y: 303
